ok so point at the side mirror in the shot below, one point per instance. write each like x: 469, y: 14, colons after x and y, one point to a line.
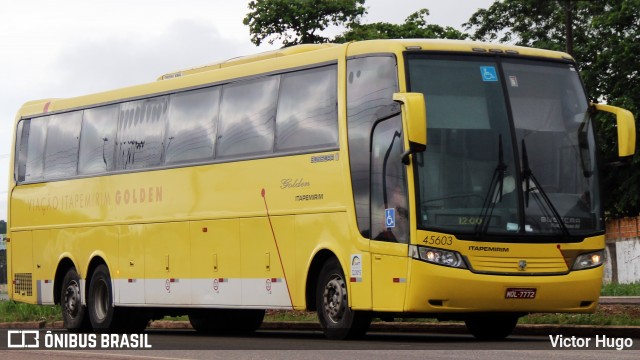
x: 414, y: 119
x: 626, y: 128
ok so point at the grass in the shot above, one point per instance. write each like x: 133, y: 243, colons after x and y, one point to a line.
x: 609, y: 315
x: 278, y: 315
x: 605, y: 315
x: 620, y: 289
x: 11, y: 311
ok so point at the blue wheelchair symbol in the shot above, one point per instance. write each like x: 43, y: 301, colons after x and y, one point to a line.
x: 390, y: 217
x: 488, y: 73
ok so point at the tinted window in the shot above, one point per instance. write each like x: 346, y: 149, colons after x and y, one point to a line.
x: 140, y: 133
x: 307, y: 110
x: 98, y: 139
x: 389, y: 209
x: 61, y: 153
x: 35, y: 149
x: 247, y: 117
x: 22, y: 137
x: 191, y: 131
x: 553, y: 123
x: 466, y: 178
x: 371, y: 82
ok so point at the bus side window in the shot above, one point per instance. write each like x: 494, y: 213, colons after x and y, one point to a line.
x: 98, y: 139
x: 247, y: 118
x: 141, y: 133
x: 34, y: 165
x: 22, y: 141
x: 61, y: 150
x: 389, y: 208
x: 191, y: 126
x: 307, y: 116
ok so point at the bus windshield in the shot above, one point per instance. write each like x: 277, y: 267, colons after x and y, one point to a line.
x: 510, y: 148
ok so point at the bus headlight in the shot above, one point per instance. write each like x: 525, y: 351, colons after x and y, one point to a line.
x: 437, y: 256
x: 589, y: 260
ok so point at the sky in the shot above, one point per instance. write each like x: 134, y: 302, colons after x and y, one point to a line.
x: 65, y: 48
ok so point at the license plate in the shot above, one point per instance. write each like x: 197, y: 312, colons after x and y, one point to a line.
x: 520, y: 293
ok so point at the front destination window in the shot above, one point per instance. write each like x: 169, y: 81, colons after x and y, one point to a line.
x: 510, y: 148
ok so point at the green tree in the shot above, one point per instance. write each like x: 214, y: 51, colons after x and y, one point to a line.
x: 612, y: 74
x: 535, y: 23
x: 414, y: 27
x: 298, y: 21
x: 604, y: 38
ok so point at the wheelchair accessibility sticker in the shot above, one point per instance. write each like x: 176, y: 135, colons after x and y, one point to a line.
x: 488, y: 73
x: 390, y: 217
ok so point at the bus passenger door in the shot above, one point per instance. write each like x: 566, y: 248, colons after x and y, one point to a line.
x: 389, y: 217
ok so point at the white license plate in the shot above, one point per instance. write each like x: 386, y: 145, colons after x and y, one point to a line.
x: 520, y: 293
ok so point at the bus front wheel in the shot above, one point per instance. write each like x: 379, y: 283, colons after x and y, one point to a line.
x: 491, y: 327
x: 74, y: 313
x: 338, y: 321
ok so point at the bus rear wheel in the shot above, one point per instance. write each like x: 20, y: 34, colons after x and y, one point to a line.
x: 100, y: 300
x: 226, y: 321
x: 74, y: 313
x: 337, y: 320
x: 103, y: 315
x: 491, y: 327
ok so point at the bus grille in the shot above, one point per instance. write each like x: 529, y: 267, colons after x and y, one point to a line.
x: 22, y: 284
x: 518, y: 266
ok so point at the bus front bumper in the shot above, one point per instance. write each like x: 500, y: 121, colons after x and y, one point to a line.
x: 439, y: 289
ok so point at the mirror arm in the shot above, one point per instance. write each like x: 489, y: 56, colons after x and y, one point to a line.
x: 413, y: 149
x: 405, y: 157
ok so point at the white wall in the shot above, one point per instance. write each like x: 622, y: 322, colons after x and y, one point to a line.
x: 627, y: 261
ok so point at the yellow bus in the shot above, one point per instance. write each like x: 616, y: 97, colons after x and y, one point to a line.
x: 384, y: 178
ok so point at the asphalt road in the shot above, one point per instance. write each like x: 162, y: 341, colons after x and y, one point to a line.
x: 186, y: 344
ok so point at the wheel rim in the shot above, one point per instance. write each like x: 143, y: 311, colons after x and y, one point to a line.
x: 335, y: 299
x: 72, y: 298
x: 101, y: 300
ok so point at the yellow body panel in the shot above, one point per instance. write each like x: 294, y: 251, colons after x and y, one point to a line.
x: 162, y: 223
x: 215, y: 248
x: 246, y: 233
x: 21, y: 289
x: 389, y: 275
x: 131, y: 256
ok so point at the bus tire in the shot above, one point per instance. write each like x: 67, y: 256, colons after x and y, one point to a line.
x: 337, y: 320
x: 226, y: 321
x: 100, y: 301
x: 74, y: 313
x: 491, y: 327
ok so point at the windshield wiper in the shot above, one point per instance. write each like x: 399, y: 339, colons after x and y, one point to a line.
x: 492, y: 196
x: 528, y: 178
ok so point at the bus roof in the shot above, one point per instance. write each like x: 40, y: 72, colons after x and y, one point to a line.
x: 264, y: 62
x: 373, y: 46
x: 248, y: 59
x: 464, y: 46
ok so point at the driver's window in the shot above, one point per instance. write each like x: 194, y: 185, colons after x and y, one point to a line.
x: 389, y: 206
